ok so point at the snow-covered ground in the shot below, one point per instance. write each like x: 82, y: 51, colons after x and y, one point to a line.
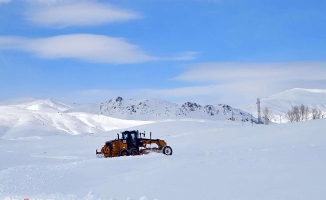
x: 47, y: 151
x: 211, y: 160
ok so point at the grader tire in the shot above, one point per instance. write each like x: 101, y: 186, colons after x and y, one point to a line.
x: 167, y: 150
x: 123, y: 152
x: 133, y: 152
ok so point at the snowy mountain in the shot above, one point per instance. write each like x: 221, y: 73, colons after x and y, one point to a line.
x: 282, y: 102
x: 52, y: 116
x: 154, y: 109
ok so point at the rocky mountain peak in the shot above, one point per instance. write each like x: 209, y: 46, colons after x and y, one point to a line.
x: 155, y: 109
x: 118, y: 99
x: 191, y: 106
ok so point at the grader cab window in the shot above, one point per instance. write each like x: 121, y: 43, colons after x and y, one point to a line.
x: 131, y: 138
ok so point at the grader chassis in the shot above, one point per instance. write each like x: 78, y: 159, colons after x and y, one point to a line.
x: 132, y: 143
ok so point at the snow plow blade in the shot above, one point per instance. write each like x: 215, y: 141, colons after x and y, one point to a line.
x: 99, y: 154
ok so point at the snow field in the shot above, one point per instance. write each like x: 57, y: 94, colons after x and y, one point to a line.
x: 211, y: 160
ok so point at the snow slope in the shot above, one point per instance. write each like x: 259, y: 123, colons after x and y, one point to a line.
x: 46, y: 116
x: 211, y: 160
x: 282, y: 102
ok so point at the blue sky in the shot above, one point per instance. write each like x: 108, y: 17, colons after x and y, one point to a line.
x: 208, y: 51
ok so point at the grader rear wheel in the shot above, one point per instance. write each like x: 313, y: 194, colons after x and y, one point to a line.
x: 134, y: 152
x: 123, y: 152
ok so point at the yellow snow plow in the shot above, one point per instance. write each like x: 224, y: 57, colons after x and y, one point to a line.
x: 131, y: 143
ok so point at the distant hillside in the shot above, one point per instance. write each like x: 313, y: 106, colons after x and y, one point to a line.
x: 52, y: 116
x: 154, y: 109
x: 282, y: 102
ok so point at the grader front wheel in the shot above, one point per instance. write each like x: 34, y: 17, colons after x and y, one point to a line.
x: 167, y: 150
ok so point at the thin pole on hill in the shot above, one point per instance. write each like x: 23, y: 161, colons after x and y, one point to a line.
x: 280, y: 119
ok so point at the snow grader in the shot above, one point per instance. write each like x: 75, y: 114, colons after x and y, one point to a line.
x: 132, y: 144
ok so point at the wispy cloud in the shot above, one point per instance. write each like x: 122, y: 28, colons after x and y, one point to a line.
x: 189, y: 55
x: 235, y: 84
x: 239, y: 83
x: 58, y: 13
x: 4, y: 1
x: 85, y: 47
x: 232, y: 72
x: 208, y: 94
x: 178, y: 95
x: 47, y: 2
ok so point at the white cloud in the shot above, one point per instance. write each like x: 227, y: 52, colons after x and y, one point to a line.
x: 178, y: 95
x: 229, y: 71
x: 236, y: 84
x: 205, y: 94
x: 189, y: 55
x: 48, y: 2
x: 87, y: 47
x: 58, y: 13
x: 11, y: 43
x: 4, y: 1
x: 240, y: 83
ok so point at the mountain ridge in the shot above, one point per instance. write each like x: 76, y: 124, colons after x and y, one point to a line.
x: 53, y: 116
x: 143, y: 109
